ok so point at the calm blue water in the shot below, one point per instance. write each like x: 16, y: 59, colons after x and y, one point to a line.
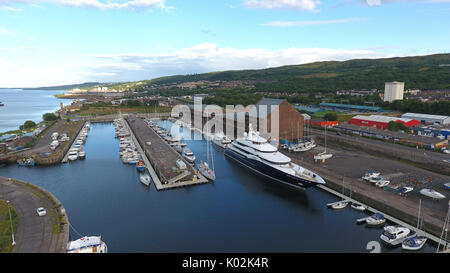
x: 23, y: 105
x: 237, y: 213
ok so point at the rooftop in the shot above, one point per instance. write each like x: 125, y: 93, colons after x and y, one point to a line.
x: 380, y: 118
x: 350, y: 106
x: 418, y: 115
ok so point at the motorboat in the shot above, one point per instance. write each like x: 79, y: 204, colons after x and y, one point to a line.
x: 447, y: 186
x: 73, y: 155
x: 358, y: 206
x: 415, y: 242
x: 182, y: 144
x: 369, y: 174
x: 206, y: 171
x: 432, y: 193
x: 221, y: 140
x: 188, y: 155
x: 257, y: 154
x: 394, y: 235
x: 92, y: 244
x: 379, y: 181
x: 376, y: 220
x: 81, y: 154
x: 145, y: 178
x: 382, y: 183
x: 405, y: 190
x: 178, y: 148
x: 339, y: 205
x: 140, y: 166
x: 27, y: 162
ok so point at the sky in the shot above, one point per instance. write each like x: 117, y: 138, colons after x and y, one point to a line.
x: 55, y: 42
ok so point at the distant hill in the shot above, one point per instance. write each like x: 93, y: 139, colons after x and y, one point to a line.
x: 423, y: 72
x: 67, y: 87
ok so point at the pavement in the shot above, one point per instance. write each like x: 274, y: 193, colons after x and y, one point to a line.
x: 34, y: 233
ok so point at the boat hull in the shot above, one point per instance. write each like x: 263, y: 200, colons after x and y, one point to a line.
x: 270, y: 172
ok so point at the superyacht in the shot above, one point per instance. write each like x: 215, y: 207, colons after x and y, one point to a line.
x: 255, y: 153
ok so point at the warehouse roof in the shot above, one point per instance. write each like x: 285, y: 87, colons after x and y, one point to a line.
x: 379, y: 118
x: 350, y: 106
x: 426, y: 116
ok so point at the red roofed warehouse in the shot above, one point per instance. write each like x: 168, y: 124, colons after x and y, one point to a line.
x: 381, y: 122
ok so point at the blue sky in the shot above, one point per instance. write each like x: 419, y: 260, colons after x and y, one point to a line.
x: 52, y: 42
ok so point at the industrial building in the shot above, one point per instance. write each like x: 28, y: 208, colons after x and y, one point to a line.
x: 393, y: 91
x: 428, y: 119
x: 290, y: 121
x: 381, y: 122
x: 350, y: 108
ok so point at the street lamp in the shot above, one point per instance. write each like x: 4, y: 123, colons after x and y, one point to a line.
x: 10, y: 219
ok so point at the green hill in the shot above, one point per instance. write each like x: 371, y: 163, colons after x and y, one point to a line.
x: 423, y: 72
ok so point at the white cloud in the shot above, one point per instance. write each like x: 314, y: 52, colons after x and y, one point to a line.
x: 310, y: 23
x: 200, y: 58
x: 309, y: 5
x: 97, y: 4
x: 210, y: 57
x: 380, y: 2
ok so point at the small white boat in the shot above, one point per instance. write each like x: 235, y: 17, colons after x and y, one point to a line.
x: 206, y: 171
x: 415, y: 242
x: 379, y: 181
x: 221, y: 140
x: 73, y: 155
x: 394, y: 235
x: 432, y: 193
x: 322, y: 156
x: 92, y: 244
x: 358, y: 207
x: 376, y: 220
x: 189, y: 155
x: 447, y: 186
x: 145, y: 179
x: 339, y: 205
x: 405, y: 190
x: 369, y: 174
x: 180, y: 164
x: 81, y: 154
x: 382, y: 183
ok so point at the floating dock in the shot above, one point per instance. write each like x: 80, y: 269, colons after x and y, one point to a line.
x: 160, y: 158
x: 65, y: 158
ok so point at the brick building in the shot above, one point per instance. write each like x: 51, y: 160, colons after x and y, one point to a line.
x: 290, y: 120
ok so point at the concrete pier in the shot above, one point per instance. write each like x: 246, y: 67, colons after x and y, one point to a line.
x: 162, y: 158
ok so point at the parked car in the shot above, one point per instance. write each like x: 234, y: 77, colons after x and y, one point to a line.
x: 41, y: 212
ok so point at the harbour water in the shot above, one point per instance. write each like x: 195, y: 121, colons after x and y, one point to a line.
x: 22, y: 105
x: 239, y: 212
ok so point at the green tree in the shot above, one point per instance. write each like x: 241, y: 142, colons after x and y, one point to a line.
x: 330, y: 116
x: 28, y: 125
x: 49, y: 117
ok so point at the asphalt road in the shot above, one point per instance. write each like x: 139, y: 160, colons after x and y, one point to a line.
x: 34, y: 233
